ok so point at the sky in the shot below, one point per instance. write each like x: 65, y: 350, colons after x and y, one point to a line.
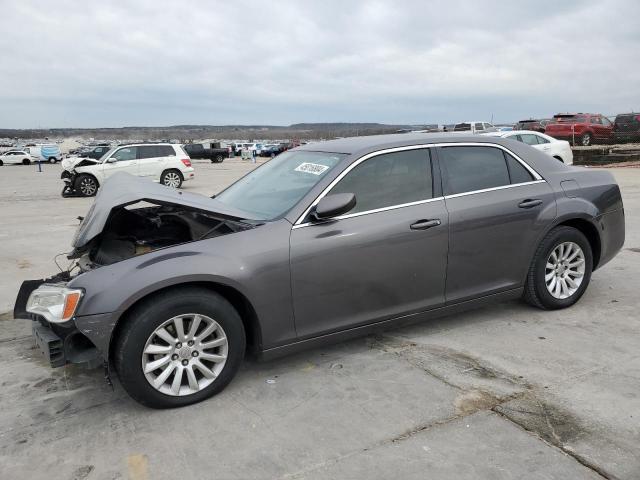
x: 160, y: 63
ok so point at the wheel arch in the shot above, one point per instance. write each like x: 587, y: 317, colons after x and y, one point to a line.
x: 589, y: 230
x: 238, y: 300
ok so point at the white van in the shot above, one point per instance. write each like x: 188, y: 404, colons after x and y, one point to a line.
x: 44, y: 152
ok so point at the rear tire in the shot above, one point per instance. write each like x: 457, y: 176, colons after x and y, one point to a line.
x: 86, y: 185
x: 219, y: 158
x: 1, y: 163
x: 159, y: 313
x: 53, y: 160
x: 554, y: 282
x: 171, y: 178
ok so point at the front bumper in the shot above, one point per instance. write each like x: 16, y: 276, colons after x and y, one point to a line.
x: 59, y: 343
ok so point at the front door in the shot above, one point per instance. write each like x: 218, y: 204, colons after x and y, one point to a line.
x: 497, y: 210
x: 122, y: 160
x: 385, y: 258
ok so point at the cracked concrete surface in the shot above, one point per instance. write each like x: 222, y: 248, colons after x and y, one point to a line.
x: 504, y: 392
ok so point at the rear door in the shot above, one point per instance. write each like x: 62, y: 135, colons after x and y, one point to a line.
x: 149, y: 161
x: 497, y: 209
x: 122, y: 160
x: 385, y: 258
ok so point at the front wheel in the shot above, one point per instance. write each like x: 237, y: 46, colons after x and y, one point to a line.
x: 179, y: 347
x: 86, y: 185
x: 171, y: 178
x: 26, y: 161
x: 586, y: 140
x: 560, y: 271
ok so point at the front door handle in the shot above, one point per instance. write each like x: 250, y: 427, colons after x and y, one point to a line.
x: 424, y: 224
x: 530, y: 203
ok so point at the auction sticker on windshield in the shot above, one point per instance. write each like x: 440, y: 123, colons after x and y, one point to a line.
x: 311, y: 168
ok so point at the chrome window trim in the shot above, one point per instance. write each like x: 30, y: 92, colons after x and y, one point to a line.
x: 536, y: 175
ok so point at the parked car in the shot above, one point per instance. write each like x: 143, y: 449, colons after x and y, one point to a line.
x: 174, y: 291
x: 536, y: 125
x: 474, y: 127
x: 16, y: 157
x: 581, y: 128
x: 214, y: 152
x: 558, y: 149
x: 167, y: 164
x: 94, y: 152
x: 626, y: 127
x: 504, y: 129
x: 45, y: 152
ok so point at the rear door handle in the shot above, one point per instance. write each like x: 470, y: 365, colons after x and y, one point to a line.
x: 529, y: 203
x: 424, y: 224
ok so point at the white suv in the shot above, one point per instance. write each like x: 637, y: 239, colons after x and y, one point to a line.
x: 161, y: 162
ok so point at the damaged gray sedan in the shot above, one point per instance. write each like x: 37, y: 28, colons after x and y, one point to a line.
x: 325, y: 242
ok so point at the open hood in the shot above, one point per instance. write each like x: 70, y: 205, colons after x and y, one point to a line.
x: 123, y: 189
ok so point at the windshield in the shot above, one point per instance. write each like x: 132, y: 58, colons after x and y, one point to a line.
x: 107, y: 154
x: 572, y: 119
x: 273, y: 189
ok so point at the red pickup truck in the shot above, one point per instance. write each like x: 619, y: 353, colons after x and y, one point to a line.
x: 581, y: 128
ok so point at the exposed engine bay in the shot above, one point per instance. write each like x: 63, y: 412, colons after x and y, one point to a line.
x: 131, y: 231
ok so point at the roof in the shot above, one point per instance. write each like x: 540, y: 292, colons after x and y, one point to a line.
x: 361, y: 145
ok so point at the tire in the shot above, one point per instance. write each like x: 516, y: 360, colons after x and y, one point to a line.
x: 586, y: 140
x: 219, y: 158
x: 86, y: 185
x: 53, y: 160
x: 540, y: 278
x: 171, y: 178
x: 138, y: 334
x: 1, y: 163
x: 26, y: 161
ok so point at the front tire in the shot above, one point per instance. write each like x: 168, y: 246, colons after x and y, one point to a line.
x: 586, y: 140
x: 560, y: 270
x: 171, y: 178
x: 179, y: 347
x: 26, y: 161
x: 86, y: 185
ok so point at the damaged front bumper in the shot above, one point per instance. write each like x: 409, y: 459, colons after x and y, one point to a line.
x: 60, y: 342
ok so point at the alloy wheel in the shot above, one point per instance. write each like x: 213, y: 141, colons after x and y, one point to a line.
x: 185, y: 354
x: 564, y: 270
x: 172, y: 179
x: 88, y: 187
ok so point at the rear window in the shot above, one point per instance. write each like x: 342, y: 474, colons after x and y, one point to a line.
x: 462, y: 127
x: 572, y: 119
x: 630, y: 118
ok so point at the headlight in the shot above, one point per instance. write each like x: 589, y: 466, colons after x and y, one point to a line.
x: 56, y: 304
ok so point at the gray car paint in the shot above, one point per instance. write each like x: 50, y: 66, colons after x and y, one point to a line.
x: 263, y: 266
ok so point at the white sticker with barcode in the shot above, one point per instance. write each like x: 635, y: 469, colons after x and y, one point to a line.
x: 311, y: 168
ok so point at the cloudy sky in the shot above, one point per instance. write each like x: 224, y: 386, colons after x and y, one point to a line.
x: 151, y: 62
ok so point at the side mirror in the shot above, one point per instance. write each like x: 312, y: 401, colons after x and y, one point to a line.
x: 334, y: 205
x: 111, y: 160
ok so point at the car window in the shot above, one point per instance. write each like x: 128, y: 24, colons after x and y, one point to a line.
x: 126, y: 153
x: 529, y: 138
x: 541, y: 139
x: 606, y: 121
x: 479, y: 126
x: 461, y: 127
x: 166, y: 151
x: 517, y: 172
x: 388, y: 180
x: 473, y: 168
x: 596, y: 120
x: 148, y: 151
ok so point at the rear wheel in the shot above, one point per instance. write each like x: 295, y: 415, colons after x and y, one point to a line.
x: 179, y: 347
x: 219, y: 158
x: 53, y: 160
x: 560, y: 271
x: 586, y: 140
x: 86, y: 185
x: 171, y: 178
x: 1, y: 163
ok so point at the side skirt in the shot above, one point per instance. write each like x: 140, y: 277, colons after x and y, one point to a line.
x: 348, y: 334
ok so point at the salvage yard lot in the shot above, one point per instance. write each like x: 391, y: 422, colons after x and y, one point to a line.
x: 503, y: 392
